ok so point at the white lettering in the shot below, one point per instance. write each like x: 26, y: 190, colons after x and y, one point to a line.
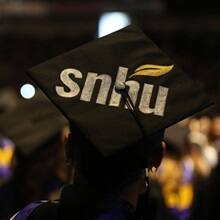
x: 120, y: 79
x: 67, y: 81
x: 73, y: 90
x: 160, y: 104
x: 133, y: 88
x: 90, y: 84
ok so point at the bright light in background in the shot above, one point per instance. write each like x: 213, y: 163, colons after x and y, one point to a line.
x: 27, y: 91
x: 112, y: 21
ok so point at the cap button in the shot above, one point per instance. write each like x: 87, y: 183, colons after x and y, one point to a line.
x: 120, y: 86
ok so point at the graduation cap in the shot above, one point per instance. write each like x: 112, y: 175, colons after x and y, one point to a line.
x: 32, y: 123
x: 119, y: 89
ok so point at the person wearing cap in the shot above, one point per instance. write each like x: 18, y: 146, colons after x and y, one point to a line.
x: 119, y: 93
x: 7, y: 150
x: 34, y: 160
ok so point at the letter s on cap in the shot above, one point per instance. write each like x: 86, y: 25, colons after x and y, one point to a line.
x: 73, y: 87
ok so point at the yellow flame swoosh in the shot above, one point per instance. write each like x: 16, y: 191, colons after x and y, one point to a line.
x: 5, y: 156
x: 152, y: 70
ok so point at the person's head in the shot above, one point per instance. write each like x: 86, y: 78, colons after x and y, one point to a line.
x: 46, y: 170
x: 122, y: 174
x: 112, y: 173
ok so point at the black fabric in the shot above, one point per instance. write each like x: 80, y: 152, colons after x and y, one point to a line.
x: 32, y: 123
x: 149, y: 72
x: 113, y: 173
x: 46, y: 211
x: 207, y: 197
x: 81, y: 203
x: 91, y: 203
x: 9, y: 200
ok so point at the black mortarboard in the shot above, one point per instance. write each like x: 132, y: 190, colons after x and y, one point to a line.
x: 32, y: 123
x: 82, y: 84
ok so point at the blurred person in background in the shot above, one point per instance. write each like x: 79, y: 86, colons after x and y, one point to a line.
x: 176, y: 174
x: 206, y: 205
x: 205, y: 125
x: 210, y: 150
x: 202, y: 150
x: 196, y: 144
x: 8, y: 100
x: 38, y: 131
x: 215, y: 132
x: 7, y: 150
x: 188, y: 161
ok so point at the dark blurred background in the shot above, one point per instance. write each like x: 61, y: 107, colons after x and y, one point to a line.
x: 187, y: 30
x: 33, y: 31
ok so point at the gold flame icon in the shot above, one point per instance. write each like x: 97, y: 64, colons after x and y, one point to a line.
x: 152, y: 70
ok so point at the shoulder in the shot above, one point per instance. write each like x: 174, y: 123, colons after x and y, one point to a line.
x: 43, y: 210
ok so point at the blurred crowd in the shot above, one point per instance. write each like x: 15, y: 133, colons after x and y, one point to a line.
x: 188, y: 175
x: 33, y: 166
x: 182, y: 188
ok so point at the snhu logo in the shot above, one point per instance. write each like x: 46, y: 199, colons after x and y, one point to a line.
x: 115, y: 98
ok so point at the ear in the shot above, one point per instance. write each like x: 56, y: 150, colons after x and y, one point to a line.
x: 157, y: 155
x: 156, y: 150
x: 69, y: 149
